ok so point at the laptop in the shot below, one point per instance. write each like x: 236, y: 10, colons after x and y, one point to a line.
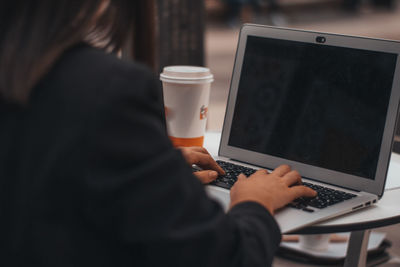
x: 325, y: 104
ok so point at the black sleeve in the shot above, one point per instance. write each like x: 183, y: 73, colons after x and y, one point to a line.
x: 140, y: 191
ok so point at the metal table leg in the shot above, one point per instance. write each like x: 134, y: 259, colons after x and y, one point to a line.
x: 357, y: 249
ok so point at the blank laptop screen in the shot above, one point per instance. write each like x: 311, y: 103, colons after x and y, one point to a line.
x: 316, y: 104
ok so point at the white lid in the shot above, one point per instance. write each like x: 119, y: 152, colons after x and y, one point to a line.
x: 186, y: 74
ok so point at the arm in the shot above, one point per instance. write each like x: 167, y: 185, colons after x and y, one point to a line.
x: 141, y: 192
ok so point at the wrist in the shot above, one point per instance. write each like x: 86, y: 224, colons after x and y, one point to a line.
x: 267, y: 206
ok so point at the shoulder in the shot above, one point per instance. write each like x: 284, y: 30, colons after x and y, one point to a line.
x: 87, y: 84
x: 94, y: 68
x: 85, y: 76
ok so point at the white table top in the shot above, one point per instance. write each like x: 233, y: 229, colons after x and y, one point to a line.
x: 387, y: 207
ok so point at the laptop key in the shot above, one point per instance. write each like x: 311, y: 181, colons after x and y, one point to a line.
x: 308, y: 209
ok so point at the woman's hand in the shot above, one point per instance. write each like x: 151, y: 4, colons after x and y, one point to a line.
x: 203, y: 159
x: 272, y: 190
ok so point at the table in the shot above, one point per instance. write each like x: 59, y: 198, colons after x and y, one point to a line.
x: 385, y: 212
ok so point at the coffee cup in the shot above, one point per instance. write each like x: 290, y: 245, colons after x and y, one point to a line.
x: 186, y: 96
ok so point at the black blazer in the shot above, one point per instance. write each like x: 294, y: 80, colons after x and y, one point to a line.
x: 88, y: 177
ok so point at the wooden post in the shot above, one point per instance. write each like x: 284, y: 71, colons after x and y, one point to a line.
x: 141, y: 45
x: 168, y: 32
x: 181, y: 26
x: 145, y: 33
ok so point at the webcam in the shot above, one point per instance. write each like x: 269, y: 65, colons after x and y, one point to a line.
x: 320, y: 39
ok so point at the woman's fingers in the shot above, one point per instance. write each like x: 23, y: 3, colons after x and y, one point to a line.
x: 206, y: 177
x: 201, y: 157
x: 282, y: 170
x: 205, y: 161
x: 302, y: 191
x: 241, y: 177
x: 199, y: 149
x: 261, y: 172
x: 292, y: 178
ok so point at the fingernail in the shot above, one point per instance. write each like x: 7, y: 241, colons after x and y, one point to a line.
x: 213, y: 174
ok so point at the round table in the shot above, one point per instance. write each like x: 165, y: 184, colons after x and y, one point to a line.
x: 385, y: 212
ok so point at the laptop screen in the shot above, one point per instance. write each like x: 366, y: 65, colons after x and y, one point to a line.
x: 316, y: 104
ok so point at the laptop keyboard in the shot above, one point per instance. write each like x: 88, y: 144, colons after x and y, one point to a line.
x: 231, y: 173
x: 326, y: 196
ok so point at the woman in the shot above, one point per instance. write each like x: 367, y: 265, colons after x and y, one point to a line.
x: 88, y: 176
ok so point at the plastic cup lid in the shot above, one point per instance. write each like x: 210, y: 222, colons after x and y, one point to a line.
x: 186, y: 74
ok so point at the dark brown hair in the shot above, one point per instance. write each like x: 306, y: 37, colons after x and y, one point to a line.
x: 33, y: 34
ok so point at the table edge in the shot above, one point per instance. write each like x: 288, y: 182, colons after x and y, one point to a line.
x: 340, y: 228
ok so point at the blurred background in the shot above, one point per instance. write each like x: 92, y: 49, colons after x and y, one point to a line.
x: 205, y: 32
x: 371, y: 18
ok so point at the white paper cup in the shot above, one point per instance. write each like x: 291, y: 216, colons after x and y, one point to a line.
x: 186, y: 97
x: 314, y: 242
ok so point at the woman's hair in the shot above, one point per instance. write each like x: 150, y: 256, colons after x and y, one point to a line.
x: 33, y: 35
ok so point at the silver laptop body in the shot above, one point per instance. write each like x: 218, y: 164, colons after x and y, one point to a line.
x: 325, y: 104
